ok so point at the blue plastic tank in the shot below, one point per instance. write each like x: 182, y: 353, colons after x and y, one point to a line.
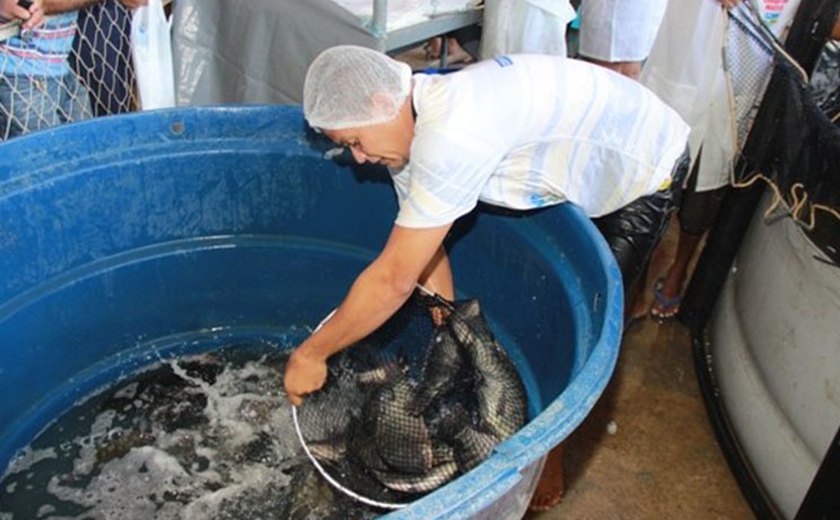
x: 129, y: 238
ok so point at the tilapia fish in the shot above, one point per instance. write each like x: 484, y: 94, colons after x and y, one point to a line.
x: 414, y: 436
x: 326, y: 416
x: 470, y: 445
x: 442, y: 362
x: 402, y: 440
x: 502, y: 401
x: 396, y: 445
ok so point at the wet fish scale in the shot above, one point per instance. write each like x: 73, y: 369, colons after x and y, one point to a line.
x: 441, y: 364
x: 414, y: 436
x: 498, y: 387
x: 430, y: 480
x: 470, y: 445
x: 402, y: 440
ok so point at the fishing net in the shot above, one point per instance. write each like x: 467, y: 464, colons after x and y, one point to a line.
x: 75, y: 66
x: 785, y: 136
x: 414, y: 405
x: 825, y: 81
x: 793, y: 144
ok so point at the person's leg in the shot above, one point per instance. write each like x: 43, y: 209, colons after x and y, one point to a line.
x: 73, y: 100
x: 666, y: 302
x: 552, y: 484
x: 631, y: 69
x: 696, y: 214
x: 26, y: 104
x: 634, y: 231
x: 617, y: 229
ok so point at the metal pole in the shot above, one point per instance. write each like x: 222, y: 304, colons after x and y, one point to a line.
x: 380, y: 17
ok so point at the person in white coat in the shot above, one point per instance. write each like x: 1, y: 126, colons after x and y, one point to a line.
x: 685, y: 69
x: 525, y: 27
x: 618, y: 34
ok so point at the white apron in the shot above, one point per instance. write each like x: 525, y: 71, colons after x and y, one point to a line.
x: 525, y: 27
x: 685, y: 69
x: 619, y: 30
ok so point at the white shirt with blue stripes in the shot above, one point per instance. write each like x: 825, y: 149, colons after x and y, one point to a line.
x: 527, y: 131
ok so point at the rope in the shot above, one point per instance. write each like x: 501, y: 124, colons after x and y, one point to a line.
x: 796, y: 206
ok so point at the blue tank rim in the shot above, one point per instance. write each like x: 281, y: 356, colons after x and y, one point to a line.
x: 479, y: 488
x: 485, y: 484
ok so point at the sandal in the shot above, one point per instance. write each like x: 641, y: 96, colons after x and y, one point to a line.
x: 664, y: 308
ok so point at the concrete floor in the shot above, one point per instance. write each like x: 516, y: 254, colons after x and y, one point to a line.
x: 663, y: 460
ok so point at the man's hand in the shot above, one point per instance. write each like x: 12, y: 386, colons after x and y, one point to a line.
x: 304, y: 374
x: 835, y: 31
x: 378, y: 292
x: 31, y: 16
x: 729, y: 3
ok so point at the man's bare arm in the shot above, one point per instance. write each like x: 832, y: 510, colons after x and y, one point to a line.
x: 374, y: 297
x: 437, y: 276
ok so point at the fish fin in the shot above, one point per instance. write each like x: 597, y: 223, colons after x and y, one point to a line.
x: 328, y: 451
x: 433, y: 479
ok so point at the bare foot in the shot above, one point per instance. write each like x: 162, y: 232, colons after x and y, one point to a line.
x: 552, y: 485
x: 638, y: 311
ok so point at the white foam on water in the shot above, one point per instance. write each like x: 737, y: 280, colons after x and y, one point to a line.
x: 131, y: 487
x: 254, y: 478
x: 28, y: 458
x: 234, y: 459
x: 128, y: 391
x: 44, y: 510
x: 88, y: 445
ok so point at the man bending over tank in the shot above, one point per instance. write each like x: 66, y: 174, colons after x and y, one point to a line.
x: 521, y: 132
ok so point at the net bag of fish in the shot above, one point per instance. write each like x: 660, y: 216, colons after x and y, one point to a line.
x: 414, y: 405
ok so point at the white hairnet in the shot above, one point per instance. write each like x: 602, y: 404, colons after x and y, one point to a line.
x: 342, y: 82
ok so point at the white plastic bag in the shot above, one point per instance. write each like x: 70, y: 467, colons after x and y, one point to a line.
x: 151, y: 51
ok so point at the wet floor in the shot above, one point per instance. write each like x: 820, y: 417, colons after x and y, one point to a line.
x: 662, y: 461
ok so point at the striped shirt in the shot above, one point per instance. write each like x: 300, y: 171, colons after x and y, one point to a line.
x: 528, y: 131
x: 44, y: 51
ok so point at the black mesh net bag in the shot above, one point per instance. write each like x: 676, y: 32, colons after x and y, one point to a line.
x: 414, y: 405
x: 789, y: 124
